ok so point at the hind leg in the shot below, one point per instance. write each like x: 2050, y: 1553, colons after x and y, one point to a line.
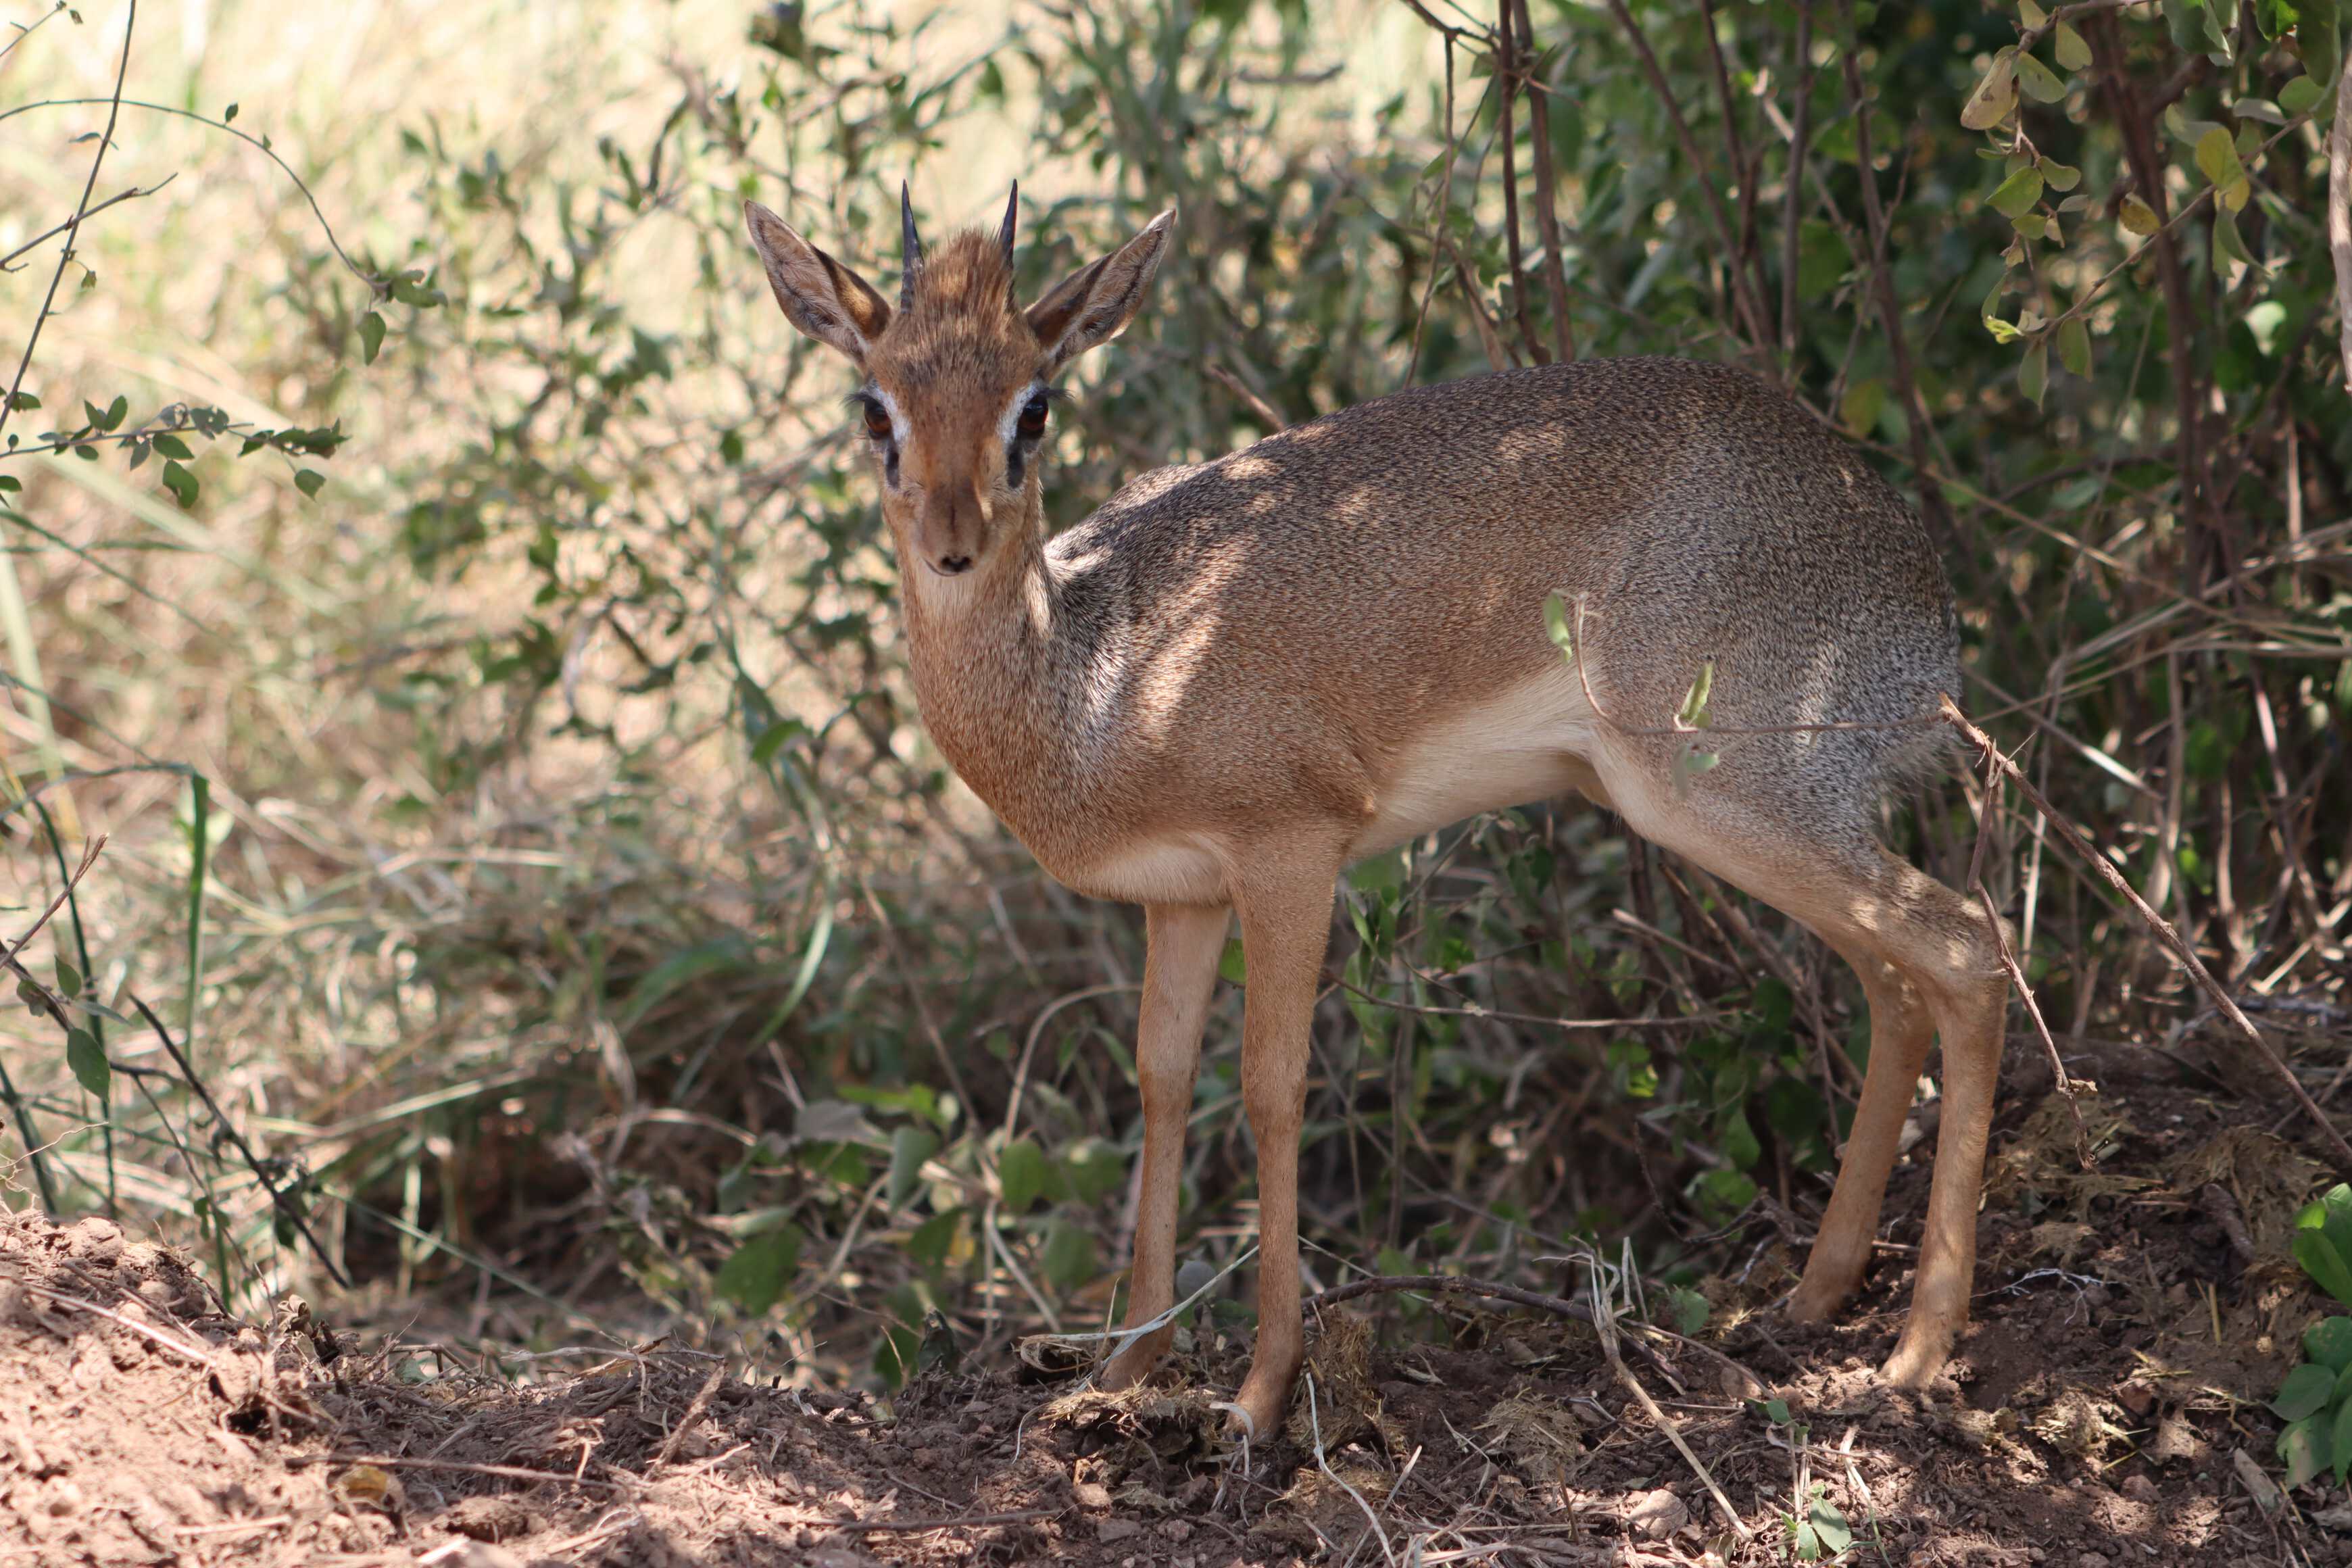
x: 1925, y: 955
x: 1901, y: 1027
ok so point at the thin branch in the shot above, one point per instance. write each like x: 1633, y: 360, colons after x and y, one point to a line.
x: 70, y: 223
x: 1742, y: 305
x: 2166, y: 931
x: 81, y: 210
x: 1792, y: 222
x: 2339, y: 213
x: 374, y: 280
x: 1890, y: 311
x: 284, y: 1203
x: 1506, y: 66
x: 1563, y: 333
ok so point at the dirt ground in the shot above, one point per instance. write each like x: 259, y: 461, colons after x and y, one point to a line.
x: 2104, y: 1412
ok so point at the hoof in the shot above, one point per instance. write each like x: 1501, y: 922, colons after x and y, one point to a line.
x: 1917, y: 1359
x: 1818, y: 1297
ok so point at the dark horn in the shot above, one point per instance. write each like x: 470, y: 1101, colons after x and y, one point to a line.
x: 912, y: 244
x: 1012, y: 216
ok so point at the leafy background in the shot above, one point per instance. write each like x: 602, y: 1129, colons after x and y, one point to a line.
x: 447, y: 581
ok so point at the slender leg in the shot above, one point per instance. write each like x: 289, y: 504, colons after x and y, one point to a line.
x: 1900, y: 1027
x: 1968, y: 1015
x: 1179, y: 973
x: 1285, y: 927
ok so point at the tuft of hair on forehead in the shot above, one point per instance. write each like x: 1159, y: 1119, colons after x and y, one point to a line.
x: 966, y: 276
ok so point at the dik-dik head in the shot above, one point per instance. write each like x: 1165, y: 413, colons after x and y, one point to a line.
x: 959, y: 380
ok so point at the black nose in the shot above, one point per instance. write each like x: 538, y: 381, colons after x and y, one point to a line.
x: 952, y: 565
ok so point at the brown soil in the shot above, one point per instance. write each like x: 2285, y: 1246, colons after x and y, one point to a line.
x: 2133, y: 1318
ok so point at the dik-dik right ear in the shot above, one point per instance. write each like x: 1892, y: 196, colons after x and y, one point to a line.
x: 1094, y: 304
x: 823, y: 299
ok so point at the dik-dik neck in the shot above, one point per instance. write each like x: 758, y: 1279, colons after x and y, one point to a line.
x: 994, y: 661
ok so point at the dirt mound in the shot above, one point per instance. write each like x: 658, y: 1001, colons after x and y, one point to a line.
x: 2096, y: 1418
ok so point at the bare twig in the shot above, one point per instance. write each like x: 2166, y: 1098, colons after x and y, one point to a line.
x: 1257, y: 405
x: 283, y: 1201
x: 1890, y: 311
x: 55, y: 229
x: 918, y: 1526
x: 1507, y: 69
x: 1457, y: 1285
x: 693, y: 1417
x: 2339, y: 213
x: 1792, y: 223
x: 81, y: 210
x: 1742, y: 305
x: 1563, y: 334
x: 2166, y: 931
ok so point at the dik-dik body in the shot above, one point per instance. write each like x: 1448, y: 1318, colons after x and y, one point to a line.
x: 1235, y: 678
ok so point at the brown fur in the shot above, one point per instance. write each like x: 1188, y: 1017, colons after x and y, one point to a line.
x: 1237, y: 677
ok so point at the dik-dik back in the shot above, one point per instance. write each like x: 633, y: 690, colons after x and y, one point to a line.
x: 1359, y: 582
x: 1235, y: 678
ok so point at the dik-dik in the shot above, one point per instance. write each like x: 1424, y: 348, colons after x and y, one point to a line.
x: 1237, y: 678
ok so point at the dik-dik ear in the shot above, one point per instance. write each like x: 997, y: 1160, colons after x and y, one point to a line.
x: 1094, y: 304
x: 823, y: 299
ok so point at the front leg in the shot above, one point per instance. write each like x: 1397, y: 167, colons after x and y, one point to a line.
x: 1180, y: 973
x: 1285, y: 927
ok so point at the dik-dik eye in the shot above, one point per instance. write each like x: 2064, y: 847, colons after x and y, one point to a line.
x: 1031, y: 425
x: 877, y: 421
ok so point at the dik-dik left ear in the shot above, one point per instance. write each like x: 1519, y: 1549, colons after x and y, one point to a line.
x: 1094, y: 304
x: 823, y: 299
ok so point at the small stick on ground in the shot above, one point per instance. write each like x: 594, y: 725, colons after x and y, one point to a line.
x: 692, y: 1419
x: 917, y: 1526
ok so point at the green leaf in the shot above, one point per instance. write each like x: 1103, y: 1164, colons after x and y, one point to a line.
x: 2273, y: 16
x: 2297, y: 97
x: 1693, y: 714
x: 1231, y: 965
x: 171, y: 445
x: 2339, y: 1440
x: 2185, y: 19
x: 2040, y: 83
x: 1776, y: 1411
x: 1995, y: 95
x: 2329, y: 1343
x: 69, y: 980
x: 1556, y: 624
x: 2324, y: 1263
x: 181, y: 483
x: 1829, y: 1526
x: 2061, y: 176
x: 2228, y: 245
x: 115, y: 413
x: 2033, y: 372
x: 2137, y: 216
x: 910, y: 1147
x: 2307, y: 1389
x: 2217, y: 157
x: 1859, y: 409
x: 2030, y: 14
x: 1023, y: 1174
x: 2017, y: 192
x: 934, y: 1239
x: 2305, y: 1446
x: 90, y: 1067
x: 370, y: 337
x: 308, y: 481
x: 2075, y: 346
x: 1069, y: 1255
x: 228, y: 115
x: 2074, y: 54
x: 755, y: 1274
